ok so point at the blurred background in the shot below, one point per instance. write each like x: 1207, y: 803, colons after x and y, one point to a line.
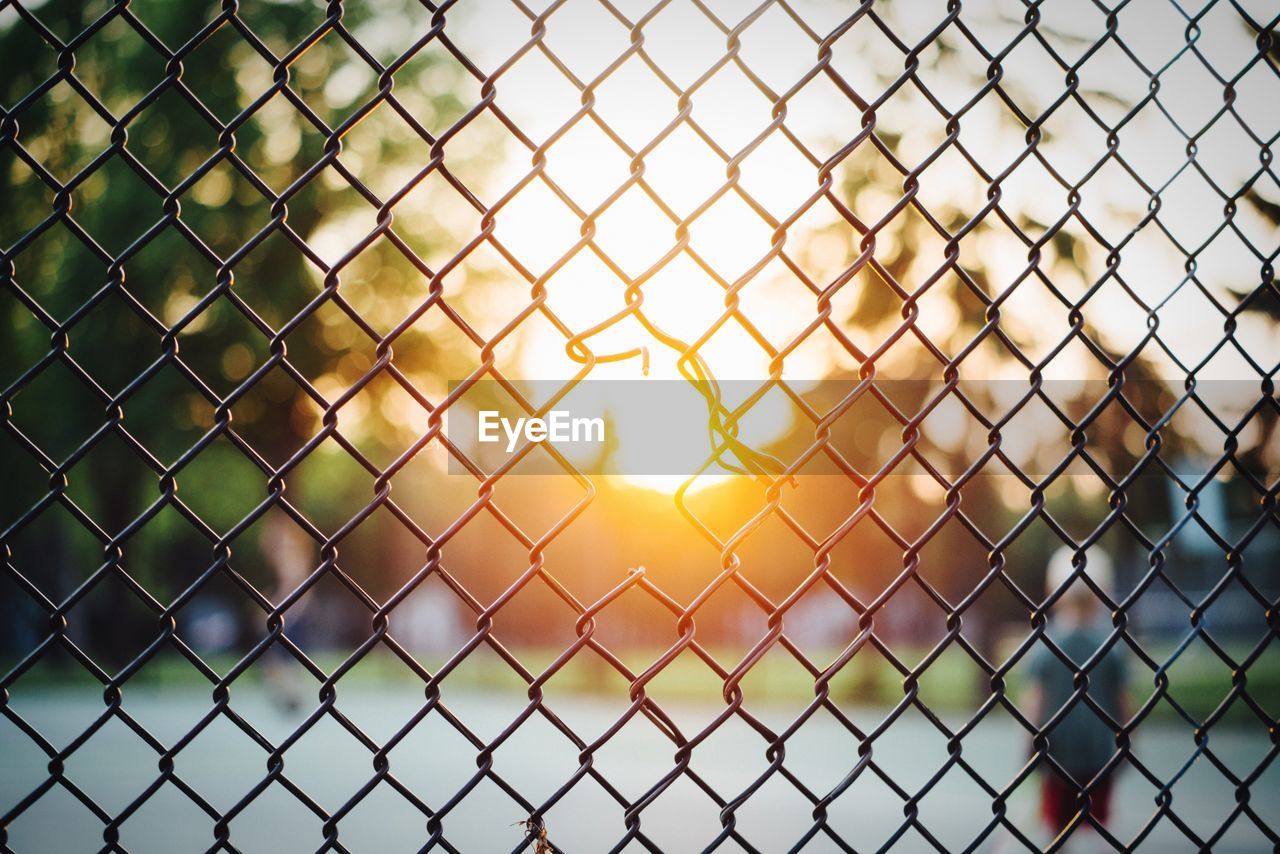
x: 233, y: 296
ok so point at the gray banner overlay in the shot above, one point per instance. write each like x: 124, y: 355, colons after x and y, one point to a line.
x: 844, y: 426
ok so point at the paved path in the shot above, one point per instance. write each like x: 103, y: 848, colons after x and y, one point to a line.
x: 328, y: 764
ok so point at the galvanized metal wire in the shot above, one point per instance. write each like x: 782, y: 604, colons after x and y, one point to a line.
x: 163, y: 635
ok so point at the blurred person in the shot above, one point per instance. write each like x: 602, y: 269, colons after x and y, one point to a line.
x: 1081, y: 742
x: 428, y: 621
x: 291, y: 555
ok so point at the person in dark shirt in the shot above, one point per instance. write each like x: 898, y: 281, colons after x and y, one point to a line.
x: 1082, y: 741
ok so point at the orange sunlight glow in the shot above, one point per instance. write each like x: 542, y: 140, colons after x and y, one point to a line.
x: 683, y: 290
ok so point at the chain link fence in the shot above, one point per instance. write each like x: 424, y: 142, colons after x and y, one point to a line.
x: 255, y: 256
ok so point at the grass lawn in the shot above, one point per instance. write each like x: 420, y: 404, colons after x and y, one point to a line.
x: 1197, y: 681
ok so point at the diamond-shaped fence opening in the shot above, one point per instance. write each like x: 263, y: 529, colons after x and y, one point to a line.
x: 977, y: 306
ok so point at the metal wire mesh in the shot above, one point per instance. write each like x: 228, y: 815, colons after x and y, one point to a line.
x: 146, y: 294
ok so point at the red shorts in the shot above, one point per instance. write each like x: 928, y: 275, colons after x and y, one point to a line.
x: 1059, y: 803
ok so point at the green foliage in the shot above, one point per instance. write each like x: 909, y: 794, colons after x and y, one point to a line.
x: 124, y: 284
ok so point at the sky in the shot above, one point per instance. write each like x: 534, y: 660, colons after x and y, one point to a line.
x: 729, y: 240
